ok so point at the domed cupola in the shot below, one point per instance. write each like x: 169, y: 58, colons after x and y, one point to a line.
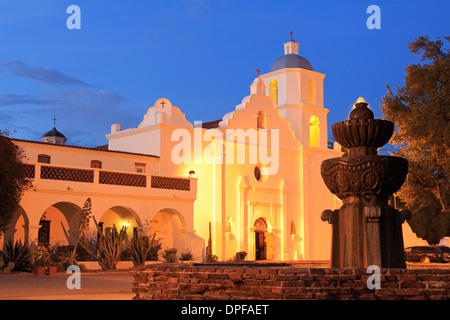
x: 291, y: 59
x: 54, y: 136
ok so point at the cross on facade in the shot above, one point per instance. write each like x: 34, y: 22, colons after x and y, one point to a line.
x: 291, y: 34
x: 163, y: 103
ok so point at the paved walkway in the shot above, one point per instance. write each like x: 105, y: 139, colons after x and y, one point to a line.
x: 94, y: 286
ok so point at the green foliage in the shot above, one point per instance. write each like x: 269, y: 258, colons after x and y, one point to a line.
x: 13, y: 180
x: 421, y: 113
x: 41, y: 257
x: 170, y: 255
x: 110, y: 244
x: 143, y: 249
x: 430, y: 223
x: 19, y: 254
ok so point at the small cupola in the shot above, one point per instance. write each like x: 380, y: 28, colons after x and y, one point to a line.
x: 54, y: 136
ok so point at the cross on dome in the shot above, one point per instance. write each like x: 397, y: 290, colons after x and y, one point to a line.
x: 291, y: 34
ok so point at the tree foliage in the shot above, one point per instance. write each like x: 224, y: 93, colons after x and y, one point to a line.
x: 13, y: 180
x: 420, y: 110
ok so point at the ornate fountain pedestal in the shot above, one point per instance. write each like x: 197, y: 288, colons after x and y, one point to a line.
x: 365, y: 230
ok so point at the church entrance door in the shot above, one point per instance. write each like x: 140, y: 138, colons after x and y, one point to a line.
x: 260, y: 228
x: 260, y: 246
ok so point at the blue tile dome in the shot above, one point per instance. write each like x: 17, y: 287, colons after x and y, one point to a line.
x: 291, y: 61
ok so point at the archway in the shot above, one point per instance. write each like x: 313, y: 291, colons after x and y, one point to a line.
x: 273, y: 91
x: 122, y: 218
x: 169, y: 224
x: 314, y: 131
x: 18, y: 228
x: 58, y: 224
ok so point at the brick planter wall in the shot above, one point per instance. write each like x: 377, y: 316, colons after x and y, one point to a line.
x: 171, y: 282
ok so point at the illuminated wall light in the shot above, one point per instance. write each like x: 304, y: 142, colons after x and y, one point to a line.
x: 126, y: 225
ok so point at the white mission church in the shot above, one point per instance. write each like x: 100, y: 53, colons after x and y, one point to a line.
x: 251, y: 180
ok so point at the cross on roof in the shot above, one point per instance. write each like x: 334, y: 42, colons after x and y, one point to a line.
x: 54, y: 121
x: 291, y: 34
x: 257, y: 72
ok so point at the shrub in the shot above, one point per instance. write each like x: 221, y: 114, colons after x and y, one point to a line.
x: 143, y: 248
x: 186, y: 256
x: 211, y: 258
x: 170, y: 255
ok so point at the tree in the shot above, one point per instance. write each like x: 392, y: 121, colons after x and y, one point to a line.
x: 420, y: 110
x: 13, y: 179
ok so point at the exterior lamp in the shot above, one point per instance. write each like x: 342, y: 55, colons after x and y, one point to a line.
x: 126, y: 225
x: 191, y: 173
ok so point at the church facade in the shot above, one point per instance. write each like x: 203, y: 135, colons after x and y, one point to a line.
x: 249, y: 181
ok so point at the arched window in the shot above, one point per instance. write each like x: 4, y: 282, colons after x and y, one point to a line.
x: 261, y: 120
x: 260, y: 225
x: 314, y: 131
x: 96, y: 164
x: 311, y: 92
x: 273, y: 91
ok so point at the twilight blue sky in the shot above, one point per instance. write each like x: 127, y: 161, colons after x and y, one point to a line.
x: 200, y: 54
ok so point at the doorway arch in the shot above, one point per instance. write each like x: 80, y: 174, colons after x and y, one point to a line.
x: 18, y: 228
x: 169, y: 226
x: 121, y: 217
x: 58, y: 224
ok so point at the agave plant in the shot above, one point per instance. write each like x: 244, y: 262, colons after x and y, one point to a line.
x: 19, y: 253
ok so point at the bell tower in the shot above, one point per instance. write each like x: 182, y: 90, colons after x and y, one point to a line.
x: 297, y: 91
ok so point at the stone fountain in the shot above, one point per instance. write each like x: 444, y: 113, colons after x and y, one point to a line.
x: 366, y: 230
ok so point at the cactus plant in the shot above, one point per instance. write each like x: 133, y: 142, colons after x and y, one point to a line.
x: 110, y: 245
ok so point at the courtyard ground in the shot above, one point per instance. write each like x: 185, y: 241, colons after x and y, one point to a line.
x: 94, y: 286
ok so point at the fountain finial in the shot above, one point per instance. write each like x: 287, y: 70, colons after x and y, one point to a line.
x: 361, y: 110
